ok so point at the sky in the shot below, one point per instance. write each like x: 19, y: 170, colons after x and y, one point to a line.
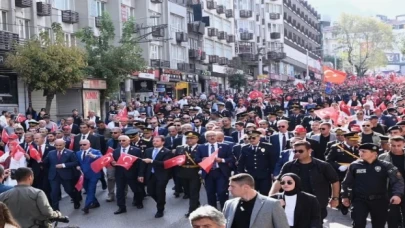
x: 334, y: 8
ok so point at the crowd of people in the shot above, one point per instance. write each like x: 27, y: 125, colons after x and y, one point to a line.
x: 272, y: 158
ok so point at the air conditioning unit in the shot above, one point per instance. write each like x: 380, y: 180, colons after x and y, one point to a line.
x: 158, y: 32
x: 203, y: 56
x: 274, y: 16
x: 191, y: 67
x: 211, y: 5
x: 156, y: 1
x: 222, y: 35
x: 192, y: 53
x: 213, y: 59
x: 229, y: 13
x: 222, y: 61
x: 212, y: 32
x: 220, y: 9
x: 246, y: 36
x: 230, y: 39
x: 182, y: 66
x: 245, y: 13
x: 181, y: 37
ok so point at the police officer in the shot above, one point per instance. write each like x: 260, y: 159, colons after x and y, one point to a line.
x: 28, y: 205
x: 308, y: 120
x: 133, y: 135
x: 340, y: 138
x: 295, y: 118
x: 341, y: 155
x: 258, y: 160
x: 188, y: 173
x: 368, y: 180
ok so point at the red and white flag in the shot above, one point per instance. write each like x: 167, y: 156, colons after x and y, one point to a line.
x: 4, y: 136
x: 79, y: 184
x: 101, y: 162
x: 126, y: 160
x: 34, y: 154
x: 176, y: 161
x: 207, y: 164
x: 20, y: 118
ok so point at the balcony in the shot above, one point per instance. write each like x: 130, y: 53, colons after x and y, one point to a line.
x: 246, y: 36
x: 70, y: 16
x: 181, y: 37
x: 193, y: 53
x: 230, y: 39
x: 159, y: 63
x: 223, y: 61
x: 275, y: 35
x: 274, y: 16
x: 222, y: 35
x: 44, y: 9
x: 8, y: 40
x: 213, y: 59
x: 196, y: 27
x: 182, y: 66
x: 245, y: 13
x: 158, y: 32
x: 211, y: 5
x: 247, y: 57
x: 212, y: 32
x: 23, y: 3
x: 97, y: 22
x: 229, y: 13
x: 220, y: 9
x: 191, y: 67
x: 156, y: 1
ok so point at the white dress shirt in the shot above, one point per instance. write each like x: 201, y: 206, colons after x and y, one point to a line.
x: 280, y: 138
x: 126, y: 150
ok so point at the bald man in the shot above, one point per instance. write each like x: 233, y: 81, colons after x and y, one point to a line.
x: 61, y: 163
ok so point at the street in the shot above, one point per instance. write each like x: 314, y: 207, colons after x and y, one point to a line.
x: 103, y: 217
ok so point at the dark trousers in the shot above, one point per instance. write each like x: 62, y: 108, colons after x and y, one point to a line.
x: 157, y: 190
x: 121, y: 183
x: 396, y: 215
x: 178, y: 185
x: 55, y: 191
x: 193, y: 185
x: 263, y: 186
x: 42, y: 182
x: 216, y: 184
x: 377, y: 209
x: 90, y: 185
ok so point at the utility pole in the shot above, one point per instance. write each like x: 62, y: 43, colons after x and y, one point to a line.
x: 307, y: 64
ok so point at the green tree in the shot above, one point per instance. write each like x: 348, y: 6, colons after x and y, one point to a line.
x: 107, y: 60
x: 48, y: 64
x: 237, y: 81
x: 363, y: 41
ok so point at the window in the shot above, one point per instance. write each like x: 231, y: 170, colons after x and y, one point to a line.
x: 190, y: 17
x: 155, y: 51
x: 177, y: 55
x: 209, y: 47
x: 227, y: 27
x: 23, y: 28
x: 8, y: 89
x: 275, y: 8
x: 228, y: 52
x: 100, y: 7
x: 70, y: 40
x: 176, y: 25
x: 219, y: 49
x: 62, y: 4
x: 193, y: 43
x: 45, y: 30
x: 3, y: 20
x: 218, y: 23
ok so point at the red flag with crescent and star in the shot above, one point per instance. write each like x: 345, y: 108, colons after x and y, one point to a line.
x: 34, y: 154
x: 79, y: 184
x: 176, y: 161
x: 333, y: 76
x: 207, y: 164
x: 126, y: 160
x: 331, y: 112
x: 4, y: 136
x: 20, y: 118
x: 344, y: 107
x: 109, y: 150
x: 72, y: 143
x: 255, y: 94
x: 101, y: 162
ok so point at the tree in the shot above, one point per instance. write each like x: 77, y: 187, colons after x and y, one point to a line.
x: 364, y: 40
x: 236, y: 78
x: 48, y: 64
x: 331, y: 59
x: 237, y: 81
x: 108, y: 61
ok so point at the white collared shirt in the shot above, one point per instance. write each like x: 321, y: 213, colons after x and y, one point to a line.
x: 209, y: 148
x: 43, y: 146
x: 280, y: 138
x: 85, y: 136
x: 126, y: 149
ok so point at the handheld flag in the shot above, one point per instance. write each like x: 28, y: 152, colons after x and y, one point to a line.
x: 255, y: 94
x: 176, y: 161
x: 34, y: 154
x: 54, y: 128
x: 344, y: 108
x: 126, y: 160
x: 20, y: 118
x: 72, y: 143
x: 123, y: 113
x: 207, y: 164
x: 331, y: 112
x: 4, y: 136
x: 101, y: 162
x: 79, y: 184
x: 333, y: 76
x: 109, y: 150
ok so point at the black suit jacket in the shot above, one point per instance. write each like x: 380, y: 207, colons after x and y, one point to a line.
x: 160, y: 172
x: 168, y: 142
x: 315, y: 148
x: 75, y: 129
x: 94, y: 142
x: 40, y: 168
x: 25, y: 146
x: 136, y: 168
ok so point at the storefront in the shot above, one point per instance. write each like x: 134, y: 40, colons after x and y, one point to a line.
x: 168, y: 82
x: 192, y: 80
x: 143, y: 84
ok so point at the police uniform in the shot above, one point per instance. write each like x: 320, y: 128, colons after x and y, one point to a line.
x: 258, y: 161
x: 338, y: 131
x: 188, y: 173
x: 295, y: 119
x: 384, y: 140
x: 368, y: 182
x: 307, y: 120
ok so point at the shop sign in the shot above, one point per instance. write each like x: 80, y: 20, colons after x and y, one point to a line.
x: 94, y: 84
x: 143, y: 86
x: 181, y: 85
x: 174, y: 75
x: 146, y: 76
x: 2, y: 59
x: 164, y: 78
x: 160, y: 88
x: 189, y: 78
x: 91, y: 101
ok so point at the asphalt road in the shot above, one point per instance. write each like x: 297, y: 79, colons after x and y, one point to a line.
x: 103, y: 217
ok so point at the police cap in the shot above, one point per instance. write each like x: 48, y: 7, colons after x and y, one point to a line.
x: 402, y: 123
x: 384, y: 139
x: 395, y: 127
x: 131, y: 131
x: 254, y: 133
x: 369, y: 146
x: 192, y: 134
x: 352, y: 136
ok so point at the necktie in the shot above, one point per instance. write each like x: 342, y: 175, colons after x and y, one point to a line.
x: 284, y: 141
x: 240, y: 136
x: 255, y: 148
x: 212, y: 151
x: 83, y: 137
x: 59, y: 155
x: 40, y: 151
x: 155, y: 151
x: 172, y: 138
x: 123, y: 150
x: 84, y: 154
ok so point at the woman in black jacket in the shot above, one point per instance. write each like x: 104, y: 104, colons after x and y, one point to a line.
x: 302, y: 209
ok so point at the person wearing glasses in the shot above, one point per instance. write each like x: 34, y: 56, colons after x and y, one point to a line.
x: 279, y: 140
x: 114, y: 144
x: 302, y: 209
x: 86, y: 134
x: 324, y: 138
x: 368, y: 135
x: 258, y: 159
x: 341, y: 155
x: 285, y: 156
x: 316, y: 176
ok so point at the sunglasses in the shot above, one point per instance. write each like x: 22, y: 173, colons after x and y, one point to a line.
x: 252, y: 138
x: 114, y: 132
x: 83, y: 144
x: 177, y: 125
x: 286, y: 182
x: 299, y: 151
x: 359, y: 113
x: 365, y: 125
x: 18, y: 133
x: 322, y: 129
x: 153, y: 122
x: 122, y: 140
x: 281, y: 126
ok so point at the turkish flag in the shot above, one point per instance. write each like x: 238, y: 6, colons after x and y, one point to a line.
x: 333, y: 76
x: 277, y: 91
x: 20, y: 118
x: 102, y: 162
x: 126, y: 160
x: 1, y: 153
x: 255, y: 94
x: 79, y: 184
x: 382, y: 106
x: 300, y: 86
x: 331, y: 112
x: 207, y: 164
x: 344, y: 108
x: 123, y: 113
x: 34, y: 154
x: 54, y: 128
x: 4, y: 136
x: 72, y: 143
x: 109, y: 150
x: 176, y: 161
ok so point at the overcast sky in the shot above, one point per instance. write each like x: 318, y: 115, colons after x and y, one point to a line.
x: 334, y: 8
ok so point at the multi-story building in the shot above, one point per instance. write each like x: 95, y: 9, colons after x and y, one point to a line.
x: 302, y: 39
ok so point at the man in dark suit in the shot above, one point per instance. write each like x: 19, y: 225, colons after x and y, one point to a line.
x: 156, y: 129
x: 307, y: 120
x: 61, y: 163
x: 258, y: 159
x: 170, y: 140
x: 198, y: 126
x: 41, y: 171
x: 85, y: 156
x: 86, y: 134
x: 155, y: 176
x: 222, y: 111
x: 131, y: 177
x: 28, y: 140
x: 239, y: 133
x: 216, y: 181
x: 295, y: 118
x: 74, y: 128
x: 272, y: 107
x: 92, y: 116
x: 279, y: 140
